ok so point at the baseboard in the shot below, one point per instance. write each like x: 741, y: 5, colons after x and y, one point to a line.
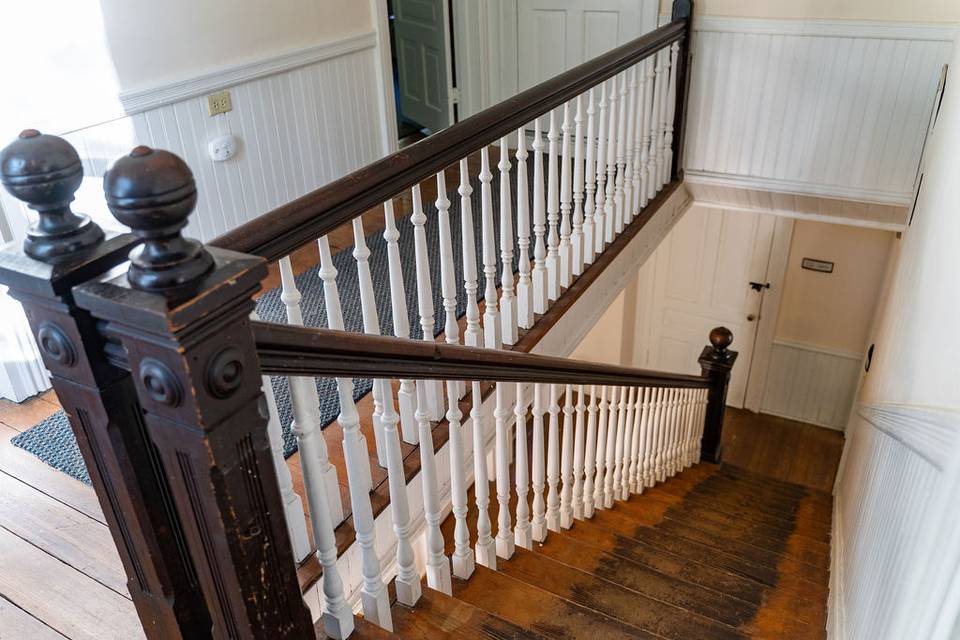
x: 176, y: 90
x: 836, y: 613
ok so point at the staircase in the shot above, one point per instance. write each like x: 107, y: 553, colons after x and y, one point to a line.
x: 485, y: 492
x: 713, y: 553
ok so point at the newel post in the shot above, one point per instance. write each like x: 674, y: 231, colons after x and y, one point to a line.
x: 63, y: 249
x: 180, y: 316
x: 716, y: 361
x: 682, y: 10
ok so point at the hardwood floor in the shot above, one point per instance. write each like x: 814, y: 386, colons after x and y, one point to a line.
x: 61, y: 576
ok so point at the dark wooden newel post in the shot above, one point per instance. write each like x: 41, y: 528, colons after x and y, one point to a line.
x: 681, y: 10
x: 716, y: 361
x: 180, y: 314
x: 63, y: 249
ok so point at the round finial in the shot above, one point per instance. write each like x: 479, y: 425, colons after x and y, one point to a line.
x: 153, y: 192
x: 45, y: 171
x: 721, y: 338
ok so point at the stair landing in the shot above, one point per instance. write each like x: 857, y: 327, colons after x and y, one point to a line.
x: 713, y: 553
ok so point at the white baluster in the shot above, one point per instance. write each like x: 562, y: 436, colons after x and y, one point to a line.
x: 671, y: 111
x: 463, y: 563
x: 491, y: 317
x: 601, y: 450
x: 553, y: 213
x: 639, y: 435
x: 578, y: 453
x: 619, y: 444
x: 485, y: 549
x: 599, y: 223
x: 524, y: 283
x: 382, y: 393
x: 472, y: 335
x: 672, y: 422
x: 618, y: 204
x: 292, y: 504
x: 638, y: 129
x: 408, y: 577
x: 652, y: 185
x: 701, y: 423
x: 539, y: 225
x: 627, y: 447
x: 566, y: 198
x: 628, y: 210
x: 522, y: 532
x: 683, y: 454
x: 664, y: 118
x: 663, y: 433
x: 373, y: 594
x: 505, y: 539
x: 539, y: 523
x: 305, y: 402
x: 643, y: 169
x: 508, y: 302
x: 407, y: 395
x: 433, y: 388
x: 680, y: 416
x: 590, y: 454
x: 610, y: 187
x: 553, y: 461
x: 438, y: 564
x: 590, y: 186
x: 448, y: 275
x: 566, y: 460
x: 692, y: 437
x: 576, y: 238
x: 613, y: 414
x: 650, y: 448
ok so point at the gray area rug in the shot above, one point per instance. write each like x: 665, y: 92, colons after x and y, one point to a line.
x: 52, y: 440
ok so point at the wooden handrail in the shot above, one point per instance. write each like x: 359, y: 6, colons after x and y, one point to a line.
x: 284, y: 229
x: 304, y: 351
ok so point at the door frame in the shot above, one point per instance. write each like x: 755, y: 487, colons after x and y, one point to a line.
x: 387, y: 93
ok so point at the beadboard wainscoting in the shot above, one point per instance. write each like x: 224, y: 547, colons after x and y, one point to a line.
x: 832, y: 108
x: 811, y: 384
x: 894, y: 544
x: 303, y: 119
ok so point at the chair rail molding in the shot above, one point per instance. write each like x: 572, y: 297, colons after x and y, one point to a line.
x: 761, y: 86
x: 180, y: 89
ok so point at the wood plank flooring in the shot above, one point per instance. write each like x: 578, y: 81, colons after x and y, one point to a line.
x: 60, y: 576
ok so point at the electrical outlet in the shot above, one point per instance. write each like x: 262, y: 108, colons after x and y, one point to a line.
x: 219, y: 102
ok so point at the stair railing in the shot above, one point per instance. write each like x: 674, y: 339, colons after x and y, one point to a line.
x: 159, y: 370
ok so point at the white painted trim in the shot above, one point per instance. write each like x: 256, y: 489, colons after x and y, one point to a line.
x: 927, y: 431
x: 817, y: 349
x: 798, y: 188
x: 836, y: 611
x: 828, y: 28
x: 138, y: 100
x: 385, y: 89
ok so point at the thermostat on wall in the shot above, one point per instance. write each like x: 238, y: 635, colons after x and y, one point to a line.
x: 823, y: 266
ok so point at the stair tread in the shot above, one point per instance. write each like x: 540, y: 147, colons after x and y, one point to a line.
x: 439, y: 615
x: 532, y: 607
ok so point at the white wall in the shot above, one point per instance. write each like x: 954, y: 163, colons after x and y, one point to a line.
x: 896, y: 554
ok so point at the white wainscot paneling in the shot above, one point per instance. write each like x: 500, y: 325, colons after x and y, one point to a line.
x: 811, y: 384
x: 832, y: 108
x: 892, y: 555
x: 303, y: 119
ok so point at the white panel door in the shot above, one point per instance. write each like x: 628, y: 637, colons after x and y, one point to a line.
x: 702, y: 272
x: 556, y: 35
x: 421, y: 40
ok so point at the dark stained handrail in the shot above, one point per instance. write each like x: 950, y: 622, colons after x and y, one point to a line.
x: 282, y: 230
x: 303, y: 351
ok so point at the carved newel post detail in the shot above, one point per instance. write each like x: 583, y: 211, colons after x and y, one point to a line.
x: 716, y: 361
x: 181, y: 314
x: 64, y: 249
